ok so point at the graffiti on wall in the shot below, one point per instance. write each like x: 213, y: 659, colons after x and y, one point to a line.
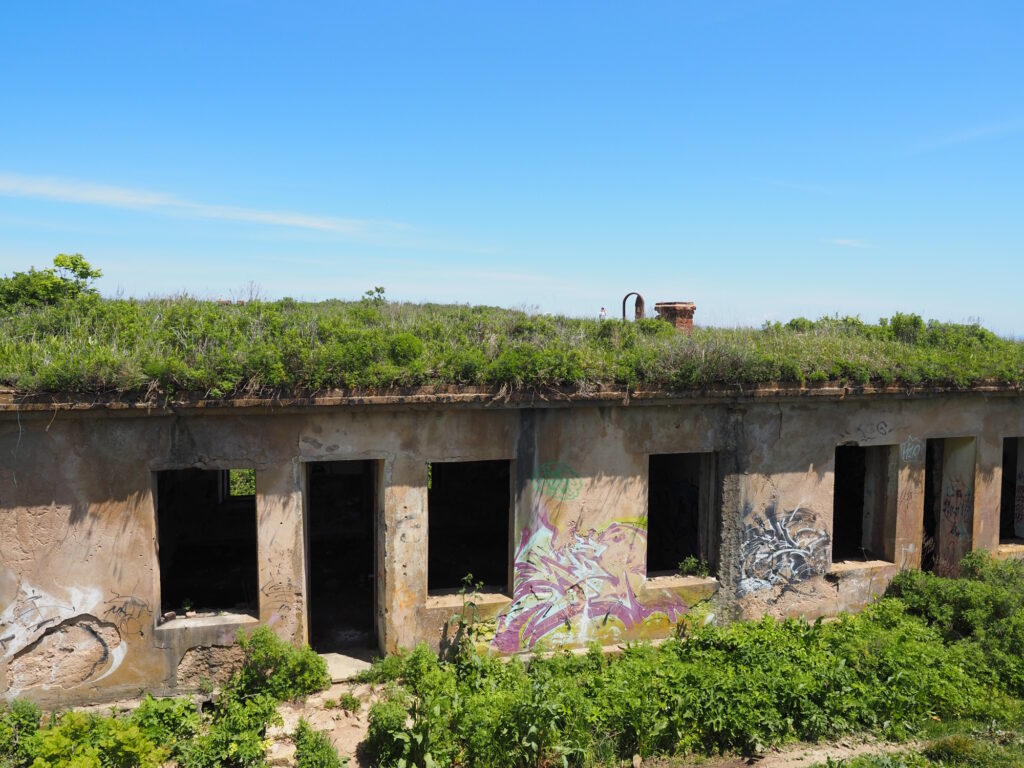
x: 572, y: 585
x: 781, y: 548
x: 957, y: 506
x: 912, y: 450
x: 955, y: 521
x: 556, y: 481
x: 51, y: 640
x: 127, y: 609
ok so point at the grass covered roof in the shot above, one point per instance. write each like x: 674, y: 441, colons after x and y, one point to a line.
x: 86, y: 344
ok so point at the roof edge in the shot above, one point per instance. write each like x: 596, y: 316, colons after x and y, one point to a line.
x: 496, y: 396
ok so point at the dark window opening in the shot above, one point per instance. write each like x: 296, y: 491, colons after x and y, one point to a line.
x: 206, y: 543
x: 848, y: 504
x: 933, y: 456
x: 864, y: 503
x: 468, y: 513
x: 340, y: 523
x: 1012, y: 492
x: 680, y: 525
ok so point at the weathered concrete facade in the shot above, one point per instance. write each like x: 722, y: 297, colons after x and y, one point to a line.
x: 80, y: 602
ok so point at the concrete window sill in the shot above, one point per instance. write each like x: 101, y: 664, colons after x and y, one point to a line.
x: 454, y: 600
x: 220, y: 621
x: 676, y: 581
x: 857, y: 567
x: 1011, y: 548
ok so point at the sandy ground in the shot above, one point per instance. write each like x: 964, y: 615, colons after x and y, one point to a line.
x: 795, y: 756
x: 346, y: 729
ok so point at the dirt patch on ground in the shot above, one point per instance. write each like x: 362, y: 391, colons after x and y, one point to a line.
x: 346, y: 729
x: 795, y: 756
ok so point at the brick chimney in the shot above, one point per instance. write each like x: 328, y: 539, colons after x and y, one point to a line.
x: 679, y: 313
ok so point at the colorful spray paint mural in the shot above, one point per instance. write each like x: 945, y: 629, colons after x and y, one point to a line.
x: 575, y: 584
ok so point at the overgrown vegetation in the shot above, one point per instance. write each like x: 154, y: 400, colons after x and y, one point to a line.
x: 893, y: 669
x: 936, y: 659
x: 56, y: 335
x: 232, y: 734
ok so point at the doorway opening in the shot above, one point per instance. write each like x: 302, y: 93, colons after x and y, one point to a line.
x: 341, y: 554
x: 933, y: 455
x: 1011, y: 506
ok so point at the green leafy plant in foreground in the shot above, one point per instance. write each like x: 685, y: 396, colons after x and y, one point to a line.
x: 277, y: 668
x: 232, y: 734
x: 313, y: 749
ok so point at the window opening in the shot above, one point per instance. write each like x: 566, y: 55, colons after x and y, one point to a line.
x: 207, y: 543
x: 681, y: 514
x: 468, y: 513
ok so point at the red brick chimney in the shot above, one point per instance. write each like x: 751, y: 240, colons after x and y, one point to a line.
x: 679, y: 313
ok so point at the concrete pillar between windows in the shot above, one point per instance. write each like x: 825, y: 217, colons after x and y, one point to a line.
x: 956, y: 504
x: 988, y: 490
x: 282, y: 552
x: 909, y: 503
x: 403, y: 541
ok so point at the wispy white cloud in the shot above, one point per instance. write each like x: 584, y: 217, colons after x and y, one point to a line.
x: 972, y: 134
x: 849, y: 242
x: 85, y: 193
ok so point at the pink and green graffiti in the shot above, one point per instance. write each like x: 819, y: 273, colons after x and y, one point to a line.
x: 571, y: 586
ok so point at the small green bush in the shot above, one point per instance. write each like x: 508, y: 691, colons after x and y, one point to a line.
x: 385, y: 669
x: 278, y: 668
x: 18, y: 723
x: 234, y: 736
x: 313, y: 749
x: 694, y: 566
x: 169, y: 722
x: 78, y: 740
x: 348, y: 702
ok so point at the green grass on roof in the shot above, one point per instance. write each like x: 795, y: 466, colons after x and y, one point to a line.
x: 90, y: 344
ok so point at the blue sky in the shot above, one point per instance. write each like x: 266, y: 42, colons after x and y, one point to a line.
x: 763, y: 159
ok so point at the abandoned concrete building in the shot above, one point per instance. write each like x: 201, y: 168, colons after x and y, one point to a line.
x: 129, y: 556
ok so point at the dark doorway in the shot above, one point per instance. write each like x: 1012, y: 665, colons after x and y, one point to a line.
x: 206, y: 536
x: 680, y: 523
x: 340, y: 522
x: 1008, y: 497
x: 933, y: 458
x: 848, y: 504
x: 468, y: 512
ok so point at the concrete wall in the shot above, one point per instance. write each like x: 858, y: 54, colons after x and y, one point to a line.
x: 79, y: 571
